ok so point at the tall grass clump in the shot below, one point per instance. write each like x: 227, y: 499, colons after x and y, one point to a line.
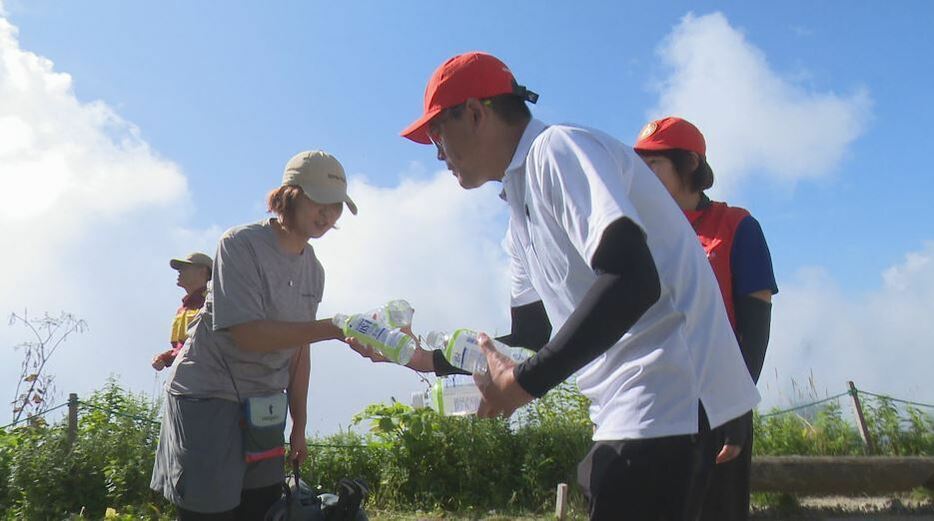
x: 824, y: 431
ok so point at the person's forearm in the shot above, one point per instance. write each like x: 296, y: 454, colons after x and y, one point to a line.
x: 426, y: 361
x: 613, y: 304
x: 422, y: 361
x: 627, y: 285
x: 265, y: 336
x: 442, y: 366
x: 298, y: 388
x: 753, y: 319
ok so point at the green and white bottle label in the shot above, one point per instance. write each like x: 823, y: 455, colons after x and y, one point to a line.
x: 463, y: 351
x: 390, y: 343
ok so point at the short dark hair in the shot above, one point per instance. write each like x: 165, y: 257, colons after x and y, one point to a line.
x: 698, y: 180
x: 510, y: 108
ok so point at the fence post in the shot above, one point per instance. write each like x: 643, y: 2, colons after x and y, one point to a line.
x: 561, y: 501
x: 72, y: 418
x: 861, y: 420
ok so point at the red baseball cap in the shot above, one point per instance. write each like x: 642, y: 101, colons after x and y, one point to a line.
x: 668, y: 133
x: 469, y: 75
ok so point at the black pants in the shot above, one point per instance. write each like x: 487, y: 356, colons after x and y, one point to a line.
x: 254, y: 503
x: 727, y: 497
x: 651, y: 479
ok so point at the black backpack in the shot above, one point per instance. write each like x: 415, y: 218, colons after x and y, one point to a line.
x: 347, y: 503
x: 300, y: 503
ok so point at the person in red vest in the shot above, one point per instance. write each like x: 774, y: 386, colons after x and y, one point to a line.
x: 194, y: 272
x: 676, y: 151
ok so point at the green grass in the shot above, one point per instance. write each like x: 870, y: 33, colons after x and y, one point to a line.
x: 419, y: 465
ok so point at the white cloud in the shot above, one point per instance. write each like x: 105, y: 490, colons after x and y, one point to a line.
x: 753, y: 117
x: 426, y: 241
x: 67, y: 166
x: 90, y: 215
x: 758, y: 120
x: 882, y: 340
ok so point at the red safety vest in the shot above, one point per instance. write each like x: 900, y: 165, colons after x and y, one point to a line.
x: 716, y: 227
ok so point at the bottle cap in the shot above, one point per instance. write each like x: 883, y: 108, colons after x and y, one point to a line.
x: 398, y: 313
x: 435, y: 339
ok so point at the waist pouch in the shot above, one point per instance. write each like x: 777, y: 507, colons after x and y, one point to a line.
x: 263, y: 425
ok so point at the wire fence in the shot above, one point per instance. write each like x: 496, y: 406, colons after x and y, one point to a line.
x: 841, y: 395
x: 144, y: 419
x: 33, y: 417
x: 78, y: 404
x: 897, y: 400
x: 803, y: 406
x: 117, y: 413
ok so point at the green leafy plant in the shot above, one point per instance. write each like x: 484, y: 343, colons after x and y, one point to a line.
x: 109, y: 463
x: 413, y: 460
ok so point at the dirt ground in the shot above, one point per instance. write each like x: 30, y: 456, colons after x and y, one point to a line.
x: 840, y: 508
x: 831, y: 508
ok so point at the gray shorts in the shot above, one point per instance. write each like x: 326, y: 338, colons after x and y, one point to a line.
x: 199, y: 463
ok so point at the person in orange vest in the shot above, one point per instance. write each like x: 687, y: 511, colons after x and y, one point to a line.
x: 194, y: 272
x: 676, y: 151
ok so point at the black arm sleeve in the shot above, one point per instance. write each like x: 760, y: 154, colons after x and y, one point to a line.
x: 442, y: 366
x: 531, y: 328
x: 738, y: 431
x: 753, y: 321
x: 627, y: 285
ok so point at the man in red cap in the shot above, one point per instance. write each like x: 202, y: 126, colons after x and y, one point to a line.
x: 599, y: 250
x: 676, y: 151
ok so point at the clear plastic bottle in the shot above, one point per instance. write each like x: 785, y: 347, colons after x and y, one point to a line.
x: 391, y: 343
x: 462, y: 349
x: 395, y: 313
x: 454, y: 395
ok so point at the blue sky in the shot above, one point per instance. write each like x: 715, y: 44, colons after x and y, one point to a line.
x: 818, y: 125
x: 228, y: 89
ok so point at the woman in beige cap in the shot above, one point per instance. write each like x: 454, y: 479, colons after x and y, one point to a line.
x: 221, y: 449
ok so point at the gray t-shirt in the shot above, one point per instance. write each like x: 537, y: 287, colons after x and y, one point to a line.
x: 254, y: 279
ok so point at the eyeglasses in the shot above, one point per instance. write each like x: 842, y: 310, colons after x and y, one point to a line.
x: 434, y: 128
x: 434, y: 134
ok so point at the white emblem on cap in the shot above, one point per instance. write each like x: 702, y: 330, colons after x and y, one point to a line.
x: 648, y: 130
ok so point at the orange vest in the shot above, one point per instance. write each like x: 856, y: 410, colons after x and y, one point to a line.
x: 716, y: 227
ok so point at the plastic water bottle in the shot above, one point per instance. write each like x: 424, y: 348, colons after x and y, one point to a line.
x: 391, y: 343
x: 462, y: 349
x: 395, y: 314
x: 454, y: 395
